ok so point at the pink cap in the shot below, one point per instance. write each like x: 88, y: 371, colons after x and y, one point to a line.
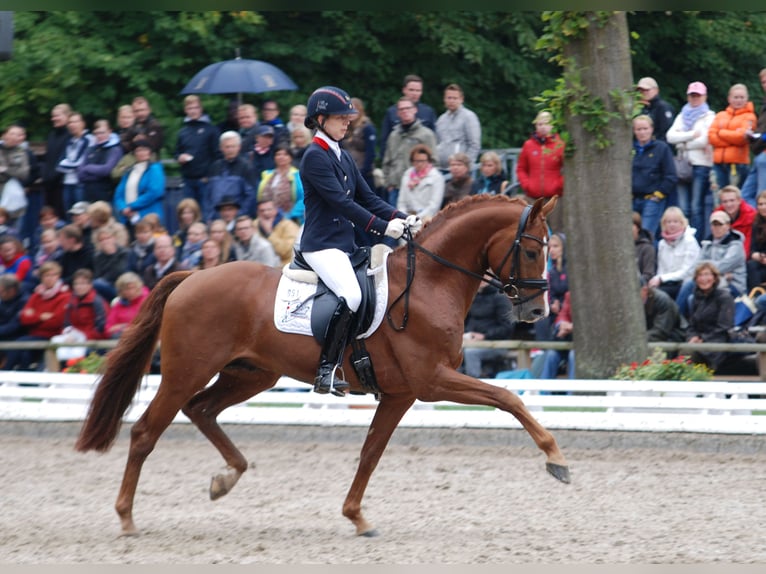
x: 697, y: 88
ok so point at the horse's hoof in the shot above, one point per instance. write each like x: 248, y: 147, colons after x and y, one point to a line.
x: 372, y: 533
x: 558, y: 471
x: 218, y: 487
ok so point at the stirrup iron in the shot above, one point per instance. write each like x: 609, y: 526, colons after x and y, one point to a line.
x: 336, y: 386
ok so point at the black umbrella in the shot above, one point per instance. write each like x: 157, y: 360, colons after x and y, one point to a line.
x: 239, y: 76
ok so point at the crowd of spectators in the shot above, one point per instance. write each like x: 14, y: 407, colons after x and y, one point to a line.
x: 700, y: 237
x: 96, y: 198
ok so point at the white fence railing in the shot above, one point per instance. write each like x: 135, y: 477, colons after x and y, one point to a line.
x: 662, y: 406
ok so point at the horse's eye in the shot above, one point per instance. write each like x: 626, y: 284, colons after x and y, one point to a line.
x: 530, y: 254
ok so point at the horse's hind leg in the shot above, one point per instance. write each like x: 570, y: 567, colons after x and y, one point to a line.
x: 143, y: 437
x: 233, y: 386
x: 390, y: 411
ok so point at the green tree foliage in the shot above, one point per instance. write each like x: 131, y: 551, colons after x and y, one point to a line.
x: 97, y: 61
x: 491, y: 55
x: 717, y: 48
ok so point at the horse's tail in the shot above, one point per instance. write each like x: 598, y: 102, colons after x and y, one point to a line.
x: 125, y: 366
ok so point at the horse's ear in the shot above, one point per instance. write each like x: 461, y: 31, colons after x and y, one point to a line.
x: 550, y: 205
x: 537, y: 206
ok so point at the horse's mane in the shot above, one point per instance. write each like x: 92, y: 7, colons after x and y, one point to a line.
x: 463, y: 206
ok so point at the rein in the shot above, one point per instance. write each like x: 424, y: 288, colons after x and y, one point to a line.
x: 512, y: 289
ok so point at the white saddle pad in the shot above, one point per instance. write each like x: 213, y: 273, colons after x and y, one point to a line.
x: 294, y: 298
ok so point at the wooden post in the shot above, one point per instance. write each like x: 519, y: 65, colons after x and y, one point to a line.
x: 52, y: 364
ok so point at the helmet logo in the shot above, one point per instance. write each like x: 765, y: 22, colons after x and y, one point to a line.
x: 329, y: 100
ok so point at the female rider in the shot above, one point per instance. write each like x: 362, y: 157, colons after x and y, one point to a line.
x: 337, y: 198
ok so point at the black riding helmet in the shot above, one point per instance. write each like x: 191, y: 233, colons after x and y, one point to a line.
x: 327, y: 101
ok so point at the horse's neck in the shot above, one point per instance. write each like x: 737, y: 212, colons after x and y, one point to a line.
x: 463, y: 240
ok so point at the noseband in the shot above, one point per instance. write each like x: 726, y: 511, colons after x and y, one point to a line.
x: 512, y: 288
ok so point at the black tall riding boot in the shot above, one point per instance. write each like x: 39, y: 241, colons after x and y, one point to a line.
x: 332, y: 352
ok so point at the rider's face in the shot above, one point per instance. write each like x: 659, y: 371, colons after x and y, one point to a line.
x: 336, y: 126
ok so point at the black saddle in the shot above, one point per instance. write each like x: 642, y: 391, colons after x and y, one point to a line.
x: 325, y: 301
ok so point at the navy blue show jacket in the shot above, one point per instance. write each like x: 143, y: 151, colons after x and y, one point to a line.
x: 337, y: 198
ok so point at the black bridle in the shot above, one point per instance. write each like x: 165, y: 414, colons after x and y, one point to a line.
x: 512, y: 288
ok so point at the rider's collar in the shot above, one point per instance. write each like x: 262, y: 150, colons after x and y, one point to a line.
x: 334, y: 146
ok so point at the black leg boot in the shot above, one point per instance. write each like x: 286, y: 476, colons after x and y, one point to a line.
x: 332, y: 352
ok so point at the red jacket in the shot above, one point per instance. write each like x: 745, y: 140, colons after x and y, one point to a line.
x: 744, y: 223
x: 539, y: 167
x: 565, y: 314
x: 30, y: 315
x: 122, y: 313
x: 87, y: 314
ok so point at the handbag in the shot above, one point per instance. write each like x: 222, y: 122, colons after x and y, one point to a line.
x: 683, y: 166
x: 13, y: 198
x: 744, y: 309
x: 740, y: 335
x: 70, y: 335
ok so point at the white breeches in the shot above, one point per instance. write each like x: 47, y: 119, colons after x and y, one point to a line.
x: 334, y: 268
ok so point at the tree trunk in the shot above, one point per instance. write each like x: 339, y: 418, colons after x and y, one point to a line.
x: 607, y: 312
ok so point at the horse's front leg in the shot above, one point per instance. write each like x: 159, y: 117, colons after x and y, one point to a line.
x: 390, y: 411
x: 459, y: 388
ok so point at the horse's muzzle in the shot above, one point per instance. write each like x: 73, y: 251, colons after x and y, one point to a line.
x: 528, y: 312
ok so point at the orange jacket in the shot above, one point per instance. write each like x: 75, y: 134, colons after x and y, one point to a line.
x: 727, y: 134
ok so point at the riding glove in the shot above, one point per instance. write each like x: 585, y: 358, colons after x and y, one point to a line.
x: 395, y: 228
x: 414, y: 223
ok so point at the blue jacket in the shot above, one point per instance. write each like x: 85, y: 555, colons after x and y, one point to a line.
x: 10, y: 325
x: 337, y: 198
x: 74, y: 155
x: 492, y: 184
x: 200, y: 139
x: 229, y: 180
x: 653, y: 169
x: 96, y: 169
x: 151, y: 191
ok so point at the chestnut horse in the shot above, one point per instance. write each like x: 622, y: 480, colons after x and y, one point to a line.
x: 221, y: 320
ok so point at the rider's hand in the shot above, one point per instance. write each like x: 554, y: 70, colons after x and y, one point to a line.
x: 414, y: 223
x: 395, y: 228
